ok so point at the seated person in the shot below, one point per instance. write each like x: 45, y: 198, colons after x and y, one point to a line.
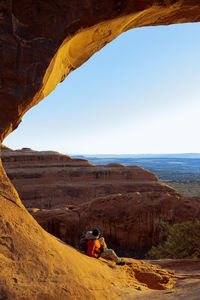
x: 96, y: 247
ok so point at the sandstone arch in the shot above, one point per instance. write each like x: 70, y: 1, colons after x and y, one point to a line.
x: 41, y: 42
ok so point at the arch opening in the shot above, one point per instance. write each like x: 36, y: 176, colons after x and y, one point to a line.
x: 150, y: 78
x: 32, y: 38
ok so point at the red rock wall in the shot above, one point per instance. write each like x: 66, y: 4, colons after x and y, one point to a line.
x: 127, y: 221
x: 49, y: 179
x: 43, y: 41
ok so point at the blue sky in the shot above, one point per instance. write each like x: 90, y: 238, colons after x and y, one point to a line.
x: 139, y: 94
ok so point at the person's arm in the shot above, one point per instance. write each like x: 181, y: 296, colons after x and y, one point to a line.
x: 91, y: 249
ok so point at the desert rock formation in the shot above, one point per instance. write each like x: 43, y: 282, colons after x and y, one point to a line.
x: 41, y: 43
x: 48, y: 179
x: 70, y: 196
x: 37, y: 265
x: 127, y: 221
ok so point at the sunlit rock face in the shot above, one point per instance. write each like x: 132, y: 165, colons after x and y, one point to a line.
x: 127, y: 221
x: 47, y: 179
x: 123, y: 201
x: 37, y: 265
x: 43, y: 41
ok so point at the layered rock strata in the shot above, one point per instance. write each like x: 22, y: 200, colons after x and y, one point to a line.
x: 41, y: 42
x: 70, y: 196
x: 48, y: 179
x: 128, y: 221
x: 37, y: 265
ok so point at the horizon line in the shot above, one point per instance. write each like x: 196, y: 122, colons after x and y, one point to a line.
x: 173, y: 153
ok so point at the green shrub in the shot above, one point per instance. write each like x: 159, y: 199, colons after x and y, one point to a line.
x: 182, y: 240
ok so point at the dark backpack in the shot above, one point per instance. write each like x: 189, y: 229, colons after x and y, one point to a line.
x: 83, y: 243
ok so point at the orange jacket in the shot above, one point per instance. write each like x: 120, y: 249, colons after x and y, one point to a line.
x: 93, y: 248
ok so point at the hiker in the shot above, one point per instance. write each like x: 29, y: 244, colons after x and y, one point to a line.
x: 96, y: 247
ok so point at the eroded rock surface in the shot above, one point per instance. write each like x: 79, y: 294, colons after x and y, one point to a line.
x: 127, y: 221
x: 70, y: 196
x: 37, y: 265
x: 42, y: 42
x: 48, y: 179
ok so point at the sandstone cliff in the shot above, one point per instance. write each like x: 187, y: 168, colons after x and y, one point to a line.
x: 37, y: 265
x: 41, y: 43
x: 70, y: 196
x: 49, y: 179
x: 127, y: 221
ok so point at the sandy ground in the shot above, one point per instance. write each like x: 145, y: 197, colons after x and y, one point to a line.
x: 188, y: 289
x: 187, y: 286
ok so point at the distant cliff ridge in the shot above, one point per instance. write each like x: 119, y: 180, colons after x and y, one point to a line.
x: 69, y: 196
x: 47, y: 179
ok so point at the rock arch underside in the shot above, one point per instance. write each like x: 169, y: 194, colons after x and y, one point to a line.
x: 41, y: 42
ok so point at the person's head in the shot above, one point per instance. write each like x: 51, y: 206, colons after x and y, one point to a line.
x: 96, y: 232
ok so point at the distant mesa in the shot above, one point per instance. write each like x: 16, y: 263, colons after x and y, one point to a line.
x: 64, y: 193
x: 25, y: 150
x: 46, y: 179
